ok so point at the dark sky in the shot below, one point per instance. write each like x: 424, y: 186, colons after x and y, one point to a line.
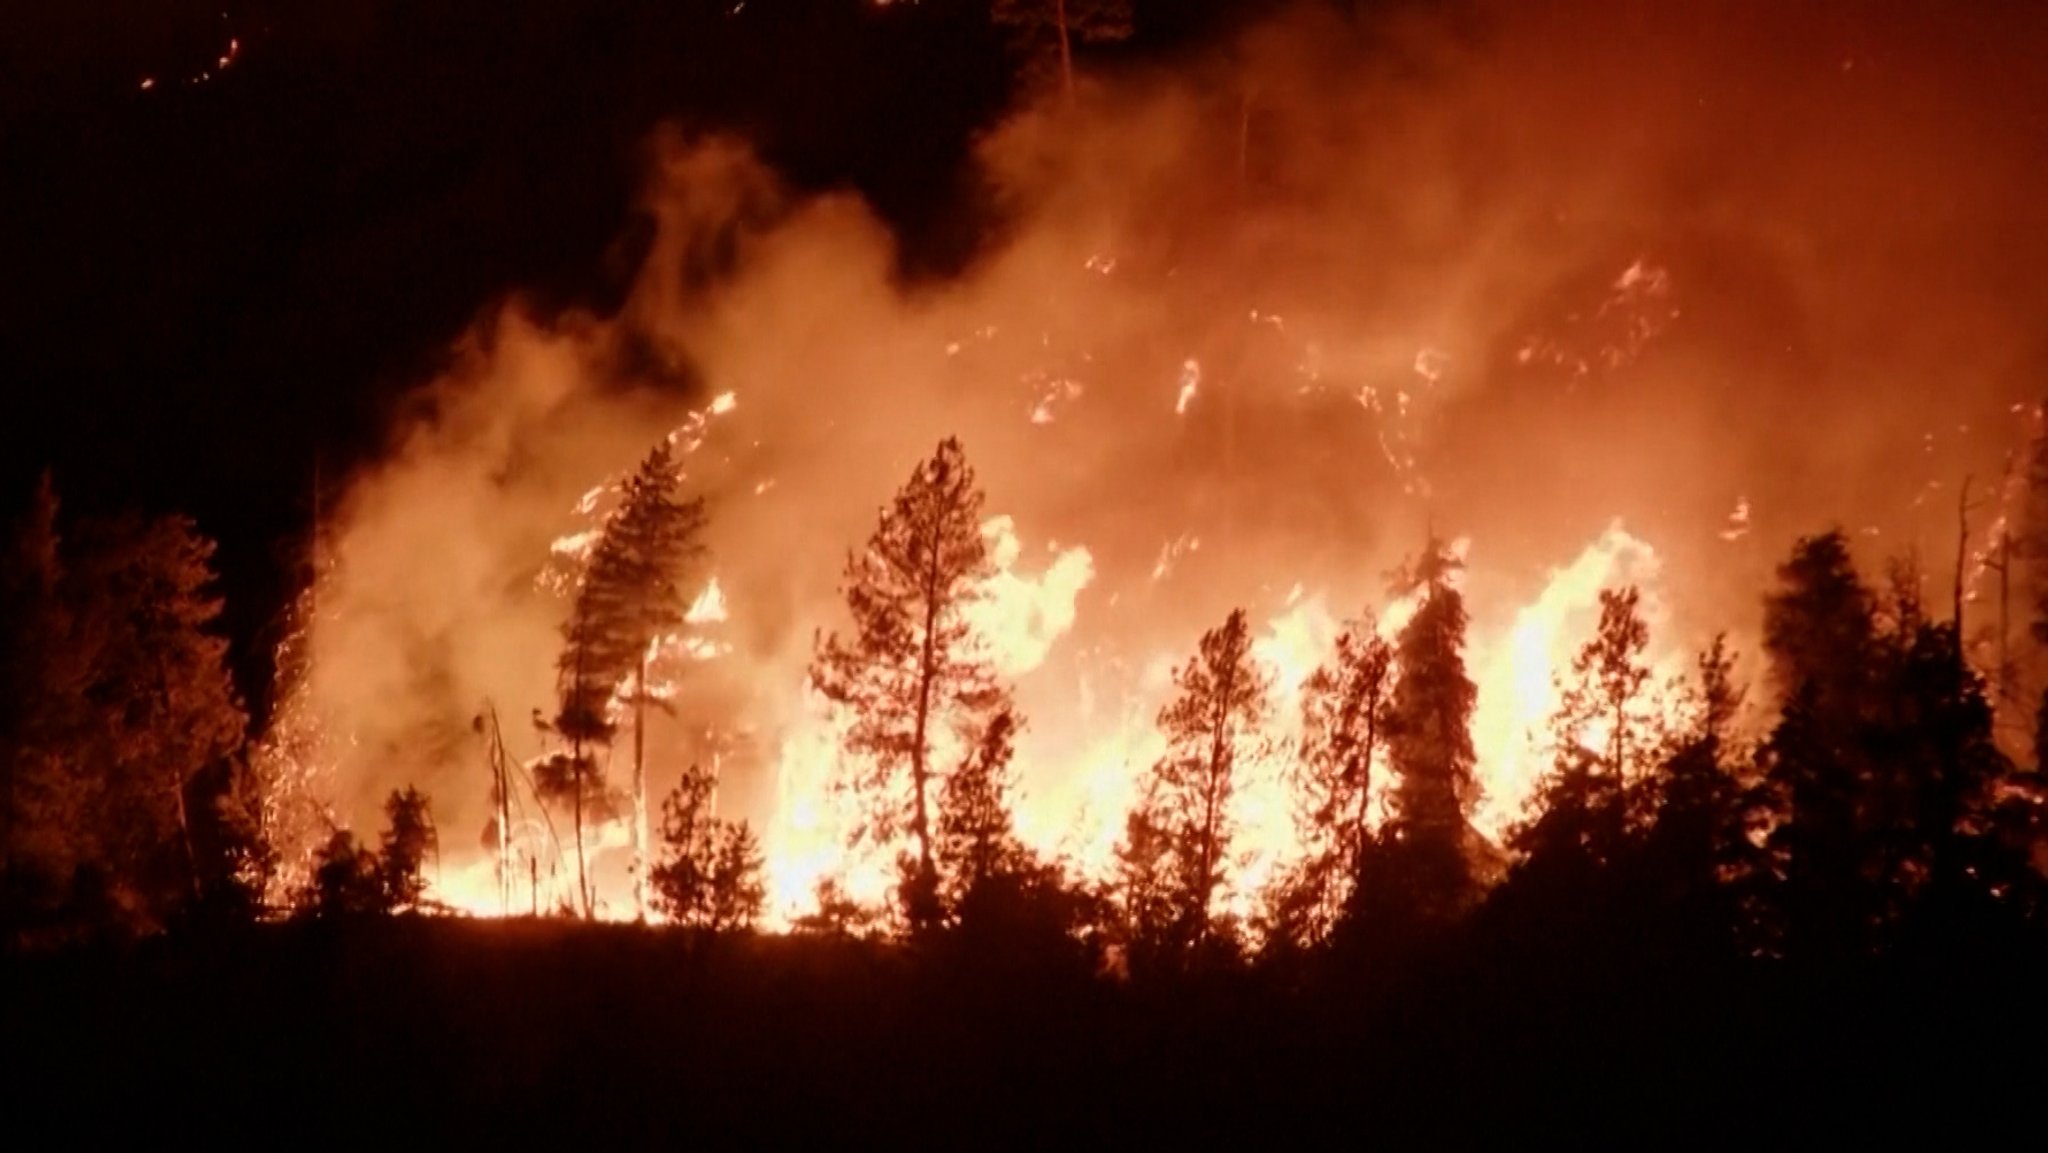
x: 209, y: 283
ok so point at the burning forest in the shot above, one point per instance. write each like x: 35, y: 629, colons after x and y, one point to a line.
x: 1388, y: 490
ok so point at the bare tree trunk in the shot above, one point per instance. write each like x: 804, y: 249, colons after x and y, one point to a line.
x: 640, y: 791
x: 501, y: 781
x: 576, y: 769
x: 926, y: 674
x: 1218, y: 768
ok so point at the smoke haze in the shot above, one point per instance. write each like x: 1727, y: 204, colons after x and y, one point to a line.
x: 1258, y: 320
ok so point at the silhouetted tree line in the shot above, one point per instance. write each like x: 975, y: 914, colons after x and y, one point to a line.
x: 124, y: 802
x: 1861, y: 804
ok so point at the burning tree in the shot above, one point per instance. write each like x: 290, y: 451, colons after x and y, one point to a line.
x: 1422, y: 869
x: 710, y: 872
x: 631, y: 597
x: 912, y: 663
x: 1184, y: 820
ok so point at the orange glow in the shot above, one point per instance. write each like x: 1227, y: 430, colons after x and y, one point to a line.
x: 1199, y: 370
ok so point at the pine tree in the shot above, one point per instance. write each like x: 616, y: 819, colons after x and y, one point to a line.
x: 1819, y: 629
x: 1604, y: 745
x: 1696, y: 844
x: 408, y: 837
x: 1424, y: 871
x: 346, y: 881
x: 1820, y: 633
x: 912, y: 664
x: 976, y: 845
x: 164, y: 705
x: 1940, y: 778
x: 631, y: 596
x: 1220, y: 706
x: 709, y: 875
x: 1346, y: 707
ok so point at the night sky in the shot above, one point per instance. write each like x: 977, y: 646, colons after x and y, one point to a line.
x: 215, y: 282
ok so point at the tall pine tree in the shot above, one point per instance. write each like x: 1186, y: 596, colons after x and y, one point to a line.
x: 1346, y: 708
x: 1221, y: 703
x: 122, y: 723
x: 1423, y: 873
x: 1820, y: 634
x: 912, y: 665
x: 1605, y: 745
x: 632, y: 595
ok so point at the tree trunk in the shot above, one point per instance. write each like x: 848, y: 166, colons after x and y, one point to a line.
x: 1363, y: 837
x: 576, y: 765
x: 926, y: 674
x: 185, y: 839
x: 1218, y: 735
x: 640, y: 791
x: 576, y: 768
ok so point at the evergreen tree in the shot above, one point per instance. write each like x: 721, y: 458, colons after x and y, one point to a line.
x: 1819, y: 630
x: 709, y: 875
x: 163, y: 707
x: 976, y: 845
x: 1941, y: 778
x: 912, y: 664
x: 1696, y: 844
x: 1220, y: 706
x: 238, y: 864
x: 347, y: 881
x: 408, y: 837
x: 993, y: 887
x: 1604, y: 748
x: 1144, y: 883
x: 1422, y: 871
x: 1820, y: 633
x: 1346, y: 706
x: 631, y: 596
